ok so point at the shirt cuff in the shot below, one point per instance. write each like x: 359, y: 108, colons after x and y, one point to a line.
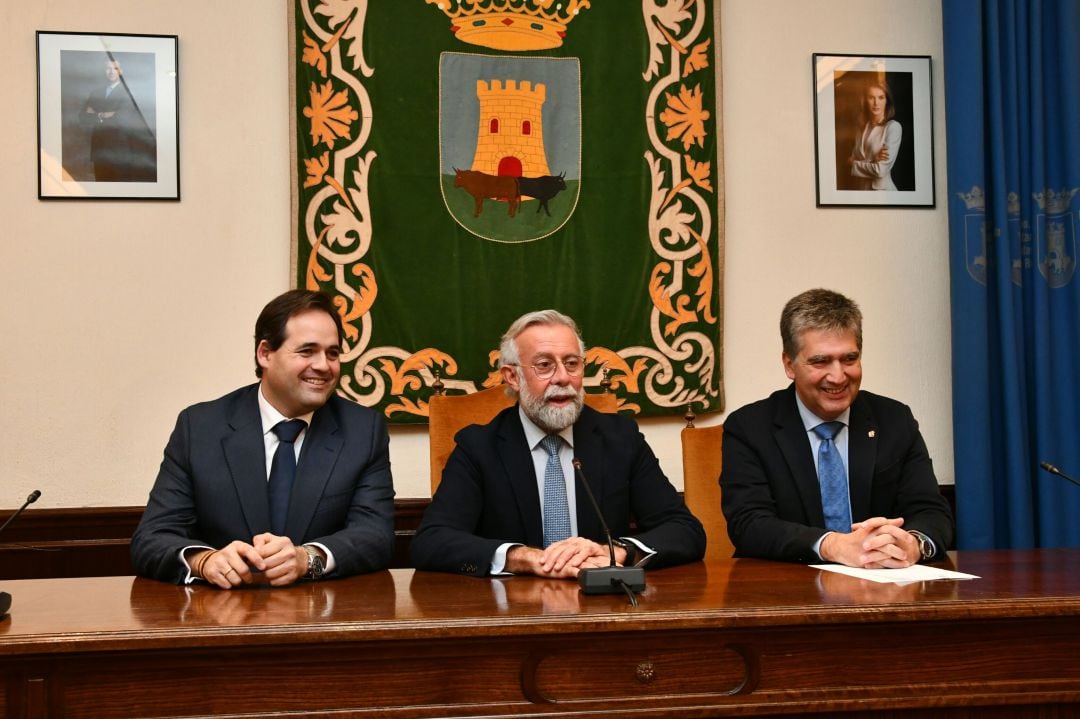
x: 646, y: 552
x: 498, y: 561
x: 190, y: 578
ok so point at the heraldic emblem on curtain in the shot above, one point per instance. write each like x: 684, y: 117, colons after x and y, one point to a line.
x: 461, y: 162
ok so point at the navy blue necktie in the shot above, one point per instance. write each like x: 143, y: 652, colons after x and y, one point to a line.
x: 556, y: 506
x: 283, y: 472
x: 833, y: 479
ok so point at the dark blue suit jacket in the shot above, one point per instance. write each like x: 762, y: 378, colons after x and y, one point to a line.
x: 212, y: 489
x: 769, y: 486
x: 488, y: 496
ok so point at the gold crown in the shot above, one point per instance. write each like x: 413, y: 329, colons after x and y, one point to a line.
x: 1055, y: 203
x: 511, y: 24
x: 975, y: 200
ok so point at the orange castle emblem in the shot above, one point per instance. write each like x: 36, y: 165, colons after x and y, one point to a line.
x: 511, y: 134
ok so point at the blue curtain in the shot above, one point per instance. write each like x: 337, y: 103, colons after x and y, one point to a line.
x: 1012, y: 88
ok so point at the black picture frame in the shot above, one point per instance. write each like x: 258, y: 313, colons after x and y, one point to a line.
x: 108, y: 116
x: 860, y: 162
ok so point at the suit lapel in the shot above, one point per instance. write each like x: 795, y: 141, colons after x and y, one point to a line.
x: 862, y: 453
x: 795, y: 445
x: 517, y: 464
x: 589, y: 448
x: 245, y: 456
x: 318, y: 455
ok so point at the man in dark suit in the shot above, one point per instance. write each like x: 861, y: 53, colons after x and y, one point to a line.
x: 508, y: 502
x: 276, y: 481
x: 122, y: 147
x: 822, y: 471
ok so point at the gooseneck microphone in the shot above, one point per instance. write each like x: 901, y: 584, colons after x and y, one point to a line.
x: 1054, y: 470
x: 611, y: 579
x: 5, y: 598
x: 29, y: 500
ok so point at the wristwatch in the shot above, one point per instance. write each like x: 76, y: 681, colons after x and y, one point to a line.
x: 926, y: 547
x: 315, y: 564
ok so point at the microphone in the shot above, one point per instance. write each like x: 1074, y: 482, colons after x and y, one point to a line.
x: 29, y: 500
x: 5, y: 598
x: 1054, y: 470
x: 611, y: 579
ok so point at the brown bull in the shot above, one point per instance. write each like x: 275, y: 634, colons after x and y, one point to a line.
x: 481, y: 185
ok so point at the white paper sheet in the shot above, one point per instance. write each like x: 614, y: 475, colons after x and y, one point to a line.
x: 907, y: 575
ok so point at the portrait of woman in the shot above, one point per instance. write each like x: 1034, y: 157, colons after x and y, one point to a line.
x: 877, y: 140
x: 873, y: 131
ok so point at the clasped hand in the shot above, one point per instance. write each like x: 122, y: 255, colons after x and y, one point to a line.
x: 268, y: 559
x: 562, y: 559
x: 876, y: 543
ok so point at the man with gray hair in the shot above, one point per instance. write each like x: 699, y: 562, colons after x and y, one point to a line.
x: 823, y: 471
x: 508, y: 502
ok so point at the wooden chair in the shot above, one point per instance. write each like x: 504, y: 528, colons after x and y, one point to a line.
x: 702, y: 460
x: 448, y: 414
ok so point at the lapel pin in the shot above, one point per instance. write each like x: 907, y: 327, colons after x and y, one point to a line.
x: 871, y: 434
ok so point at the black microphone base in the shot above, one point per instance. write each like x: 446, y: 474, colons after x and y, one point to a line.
x: 609, y: 580
x: 5, y: 603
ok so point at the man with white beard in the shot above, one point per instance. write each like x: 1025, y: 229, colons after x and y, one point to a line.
x: 509, y: 502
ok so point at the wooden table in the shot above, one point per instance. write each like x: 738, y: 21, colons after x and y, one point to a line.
x: 737, y: 638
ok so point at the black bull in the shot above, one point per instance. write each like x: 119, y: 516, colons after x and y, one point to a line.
x: 542, y: 188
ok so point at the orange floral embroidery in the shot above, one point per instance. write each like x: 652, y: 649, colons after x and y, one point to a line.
x: 316, y: 172
x: 619, y: 372
x: 406, y: 375
x: 697, y: 59
x: 316, y: 168
x: 703, y: 270
x: 699, y: 171
x: 313, y: 55
x: 315, y: 272
x: 407, y: 406
x: 678, y: 311
x: 685, y: 116
x: 330, y: 114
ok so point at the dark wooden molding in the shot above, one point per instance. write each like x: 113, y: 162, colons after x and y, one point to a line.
x: 71, y: 523
x: 94, y: 541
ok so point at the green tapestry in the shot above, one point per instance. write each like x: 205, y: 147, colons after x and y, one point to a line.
x: 462, y: 162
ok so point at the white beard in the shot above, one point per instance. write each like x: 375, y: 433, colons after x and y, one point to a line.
x: 547, y: 417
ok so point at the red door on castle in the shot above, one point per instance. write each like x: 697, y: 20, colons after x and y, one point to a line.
x: 510, y: 167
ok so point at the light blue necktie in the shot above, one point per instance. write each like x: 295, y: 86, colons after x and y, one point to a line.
x: 833, y: 479
x: 283, y: 472
x: 556, y: 508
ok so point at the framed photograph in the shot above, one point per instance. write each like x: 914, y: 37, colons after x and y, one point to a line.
x: 108, y: 115
x: 873, y: 131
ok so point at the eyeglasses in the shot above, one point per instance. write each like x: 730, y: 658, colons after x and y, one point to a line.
x: 545, y: 368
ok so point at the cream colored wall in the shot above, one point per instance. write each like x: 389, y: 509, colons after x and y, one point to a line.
x: 119, y: 314
x: 894, y: 262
